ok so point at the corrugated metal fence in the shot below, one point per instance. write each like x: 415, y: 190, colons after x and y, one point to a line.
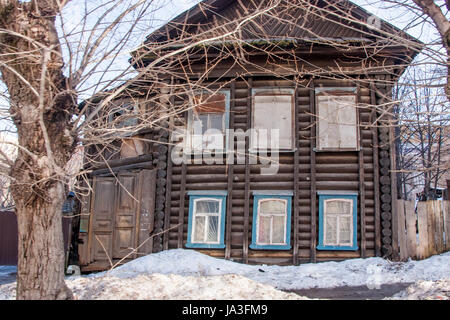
x: 8, y: 236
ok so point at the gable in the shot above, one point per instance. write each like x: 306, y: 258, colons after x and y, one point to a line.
x: 297, y: 20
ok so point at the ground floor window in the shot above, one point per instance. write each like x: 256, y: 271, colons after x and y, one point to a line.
x: 206, y: 219
x: 271, y: 220
x: 337, y: 221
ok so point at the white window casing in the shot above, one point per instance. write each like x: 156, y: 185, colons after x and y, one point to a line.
x: 206, y: 221
x: 338, y: 222
x: 272, y: 221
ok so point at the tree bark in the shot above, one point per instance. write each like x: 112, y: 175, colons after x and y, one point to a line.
x: 41, y: 252
x: 42, y: 104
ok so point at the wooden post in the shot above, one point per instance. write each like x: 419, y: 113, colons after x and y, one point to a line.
x: 296, y: 177
x: 168, y: 185
x: 376, y: 174
x: 230, y: 171
x: 393, y: 175
x: 181, y: 212
x: 422, y: 224
x: 401, y: 230
x: 411, y: 235
x: 446, y: 215
x: 439, y: 226
x: 312, y: 104
x: 362, y: 190
x: 431, y: 228
x: 247, y: 175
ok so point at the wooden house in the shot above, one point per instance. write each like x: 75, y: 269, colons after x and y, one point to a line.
x: 323, y: 82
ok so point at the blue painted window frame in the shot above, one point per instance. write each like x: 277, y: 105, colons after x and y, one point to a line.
x: 327, y: 196
x: 276, y: 196
x: 217, y: 195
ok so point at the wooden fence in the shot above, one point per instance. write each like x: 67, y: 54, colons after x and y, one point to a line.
x: 423, y: 229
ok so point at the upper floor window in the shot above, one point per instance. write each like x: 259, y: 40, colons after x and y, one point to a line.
x: 337, y: 119
x: 207, y: 122
x: 337, y: 220
x: 272, y: 119
x: 124, y: 115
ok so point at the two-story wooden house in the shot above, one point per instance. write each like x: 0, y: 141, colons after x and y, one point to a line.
x: 273, y: 144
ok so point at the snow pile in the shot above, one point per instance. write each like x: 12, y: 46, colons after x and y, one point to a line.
x: 166, y: 287
x: 354, y: 272
x: 425, y: 290
x: 187, y: 274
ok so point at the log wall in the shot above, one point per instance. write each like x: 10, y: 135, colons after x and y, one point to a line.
x: 304, y: 172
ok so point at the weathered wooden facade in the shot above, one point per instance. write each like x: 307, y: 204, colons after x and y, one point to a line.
x: 230, y: 209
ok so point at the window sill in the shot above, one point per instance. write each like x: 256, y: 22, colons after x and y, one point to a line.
x: 202, y: 152
x: 270, y: 150
x: 270, y: 247
x: 338, y: 149
x: 341, y: 248
x: 205, y: 246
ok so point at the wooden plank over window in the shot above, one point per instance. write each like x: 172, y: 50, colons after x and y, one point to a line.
x: 209, y: 103
x: 273, y: 109
x: 337, y: 121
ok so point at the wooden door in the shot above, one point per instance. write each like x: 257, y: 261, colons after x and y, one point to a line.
x: 127, y: 200
x: 102, y: 219
x: 122, y: 217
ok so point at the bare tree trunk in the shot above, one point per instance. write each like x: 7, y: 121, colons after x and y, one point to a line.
x: 41, y: 252
x: 42, y: 105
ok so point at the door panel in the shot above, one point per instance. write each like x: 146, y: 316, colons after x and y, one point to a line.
x: 125, y: 219
x: 103, y: 223
x: 102, y: 246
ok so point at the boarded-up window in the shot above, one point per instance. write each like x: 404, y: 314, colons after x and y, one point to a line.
x: 207, y: 122
x: 273, y: 120
x: 337, y: 122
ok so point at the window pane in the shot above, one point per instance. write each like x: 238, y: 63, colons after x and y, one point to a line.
x: 216, y: 121
x: 328, y: 136
x: 344, y: 230
x: 338, y: 207
x: 199, y: 231
x: 346, y: 106
x: 207, y: 206
x: 331, y: 230
x: 264, y: 230
x: 278, y: 227
x: 213, y: 229
x: 272, y: 206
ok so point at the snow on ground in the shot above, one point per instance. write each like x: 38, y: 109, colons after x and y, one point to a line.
x: 352, y: 272
x: 425, y: 290
x: 187, y: 274
x: 166, y: 287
